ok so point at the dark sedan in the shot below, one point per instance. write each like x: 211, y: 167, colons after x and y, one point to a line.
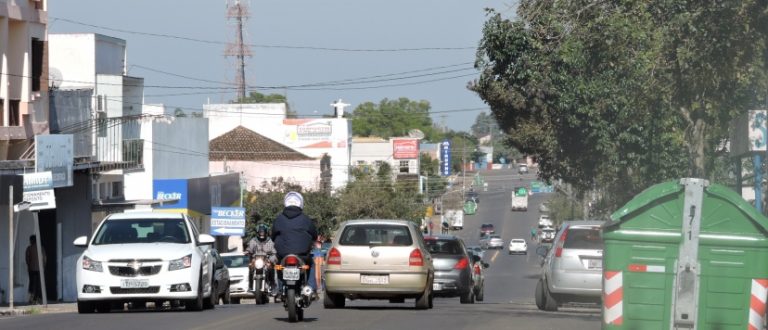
x: 453, y: 268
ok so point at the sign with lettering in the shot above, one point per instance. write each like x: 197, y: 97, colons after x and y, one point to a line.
x: 405, y: 149
x: 38, y: 191
x: 227, y: 221
x: 445, y: 158
x: 171, y: 190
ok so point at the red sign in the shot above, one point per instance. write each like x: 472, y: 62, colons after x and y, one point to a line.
x: 405, y: 149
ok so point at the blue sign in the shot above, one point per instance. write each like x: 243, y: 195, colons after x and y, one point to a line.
x: 445, y: 158
x: 227, y: 221
x: 171, y: 189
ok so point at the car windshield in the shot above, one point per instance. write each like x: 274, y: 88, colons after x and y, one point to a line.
x: 443, y: 246
x: 495, y: 236
x: 236, y: 261
x: 518, y: 241
x: 376, y: 235
x: 129, y: 231
x: 583, y: 238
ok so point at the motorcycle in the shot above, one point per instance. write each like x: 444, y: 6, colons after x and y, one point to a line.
x: 296, y: 294
x: 262, y: 286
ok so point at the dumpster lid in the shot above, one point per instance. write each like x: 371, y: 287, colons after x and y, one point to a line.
x: 664, y: 189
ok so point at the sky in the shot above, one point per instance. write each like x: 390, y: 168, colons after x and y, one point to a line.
x: 313, y: 51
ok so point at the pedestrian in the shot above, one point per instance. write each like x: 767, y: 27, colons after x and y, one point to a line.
x: 35, y: 292
x: 318, y: 256
x: 533, y: 234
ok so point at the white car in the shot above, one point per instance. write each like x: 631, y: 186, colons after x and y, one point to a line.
x: 492, y: 242
x: 237, y: 263
x: 544, y: 221
x: 518, y: 245
x: 141, y: 257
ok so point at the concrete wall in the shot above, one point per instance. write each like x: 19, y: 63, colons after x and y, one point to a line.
x: 73, y: 218
x: 73, y: 57
x: 305, y: 173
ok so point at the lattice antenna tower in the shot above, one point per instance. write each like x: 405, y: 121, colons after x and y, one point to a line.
x: 238, y: 11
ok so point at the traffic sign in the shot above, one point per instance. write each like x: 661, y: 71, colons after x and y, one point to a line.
x: 227, y: 221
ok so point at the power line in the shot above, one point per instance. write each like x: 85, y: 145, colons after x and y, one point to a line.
x: 351, y: 50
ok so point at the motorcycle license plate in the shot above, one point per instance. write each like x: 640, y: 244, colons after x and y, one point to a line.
x: 134, y: 284
x: 291, y: 274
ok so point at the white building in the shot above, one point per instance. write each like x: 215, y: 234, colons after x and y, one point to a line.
x: 402, y: 154
x: 311, y: 137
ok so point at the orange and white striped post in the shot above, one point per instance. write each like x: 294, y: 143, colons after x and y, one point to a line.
x: 757, y: 304
x: 613, y: 295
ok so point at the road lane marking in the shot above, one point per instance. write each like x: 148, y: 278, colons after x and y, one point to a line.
x: 494, y: 256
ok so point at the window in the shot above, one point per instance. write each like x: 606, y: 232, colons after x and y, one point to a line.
x: 404, y: 166
x: 37, y: 63
x: 14, y: 117
x: 2, y: 109
x: 369, y: 235
x: 117, y: 189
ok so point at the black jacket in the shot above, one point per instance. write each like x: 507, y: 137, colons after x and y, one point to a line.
x: 293, y: 232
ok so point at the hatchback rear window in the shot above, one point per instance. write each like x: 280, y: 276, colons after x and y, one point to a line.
x: 443, y: 246
x: 372, y: 234
x: 583, y: 238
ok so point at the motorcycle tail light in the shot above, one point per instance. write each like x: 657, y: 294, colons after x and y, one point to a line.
x: 291, y: 261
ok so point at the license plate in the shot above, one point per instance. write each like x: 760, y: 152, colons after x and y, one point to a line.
x: 437, y: 286
x: 595, y: 264
x: 374, y: 279
x: 291, y: 274
x: 134, y: 284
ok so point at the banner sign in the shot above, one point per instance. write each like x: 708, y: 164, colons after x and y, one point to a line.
x: 38, y: 191
x: 445, y: 158
x: 405, y: 149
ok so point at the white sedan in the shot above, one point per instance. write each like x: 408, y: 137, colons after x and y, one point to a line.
x: 138, y: 257
x: 518, y: 245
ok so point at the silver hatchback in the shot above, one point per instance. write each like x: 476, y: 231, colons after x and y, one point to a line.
x: 572, y: 268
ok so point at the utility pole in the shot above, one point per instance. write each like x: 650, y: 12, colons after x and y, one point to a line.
x: 240, y: 13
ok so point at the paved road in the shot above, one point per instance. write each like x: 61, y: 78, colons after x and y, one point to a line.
x: 508, y: 304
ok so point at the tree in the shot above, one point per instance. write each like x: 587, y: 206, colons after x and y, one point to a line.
x: 179, y: 113
x: 393, y: 118
x: 375, y: 196
x: 486, y: 125
x: 608, y: 95
x: 435, y: 185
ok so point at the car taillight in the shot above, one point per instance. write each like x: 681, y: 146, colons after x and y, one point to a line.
x: 416, y: 258
x: 560, y: 243
x: 291, y: 261
x: 334, y: 257
x: 463, y: 263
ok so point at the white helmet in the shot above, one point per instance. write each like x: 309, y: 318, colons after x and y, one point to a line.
x: 294, y: 199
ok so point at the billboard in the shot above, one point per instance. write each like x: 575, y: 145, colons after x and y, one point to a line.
x: 405, y: 149
x: 227, y: 221
x: 54, y: 153
x: 171, y: 189
x: 445, y: 158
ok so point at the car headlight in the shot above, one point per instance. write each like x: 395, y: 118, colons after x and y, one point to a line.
x: 92, y: 265
x: 181, y: 263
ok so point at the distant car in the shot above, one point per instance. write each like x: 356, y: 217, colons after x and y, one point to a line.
x: 492, y: 242
x: 237, y: 263
x: 221, y: 282
x: 573, y: 267
x: 476, y: 249
x: 544, y: 207
x: 522, y: 169
x: 379, y: 259
x: 487, y: 229
x: 545, y: 221
x: 478, y: 275
x: 518, y: 245
x: 472, y: 195
x: 146, y: 256
x: 453, y: 268
x: 547, y: 235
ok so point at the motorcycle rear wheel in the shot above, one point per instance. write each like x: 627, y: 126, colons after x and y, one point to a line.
x: 293, y: 315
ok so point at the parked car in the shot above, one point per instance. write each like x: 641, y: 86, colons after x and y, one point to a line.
x: 237, y: 263
x: 220, y: 278
x: 572, y: 269
x: 491, y: 242
x: 379, y: 259
x: 141, y: 257
x: 518, y: 245
x: 478, y: 275
x: 453, y: 268
x: 545, y: 221
x: 487, y: 229
x: 476, y: 249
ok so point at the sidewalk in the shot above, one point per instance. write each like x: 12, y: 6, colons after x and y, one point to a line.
x: 26, y: 309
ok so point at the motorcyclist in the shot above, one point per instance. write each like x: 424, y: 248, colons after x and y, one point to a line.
x: 295, y: 233
x: 261, y: 245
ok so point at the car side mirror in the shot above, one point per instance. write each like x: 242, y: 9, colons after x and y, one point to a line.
x: 542, y: 251
x: 81, y: 241
x: 206, y: 239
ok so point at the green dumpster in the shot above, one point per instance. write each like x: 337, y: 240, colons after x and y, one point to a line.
x: 685, y: 255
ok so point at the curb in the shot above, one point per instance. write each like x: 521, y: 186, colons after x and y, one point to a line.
x: 14, y: 312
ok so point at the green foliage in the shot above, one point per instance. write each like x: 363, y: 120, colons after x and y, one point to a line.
x: 486, y: 124
x: 616, y: 96
x: 392, y: 118
x: 376, y: 196
x: 435, y: 185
